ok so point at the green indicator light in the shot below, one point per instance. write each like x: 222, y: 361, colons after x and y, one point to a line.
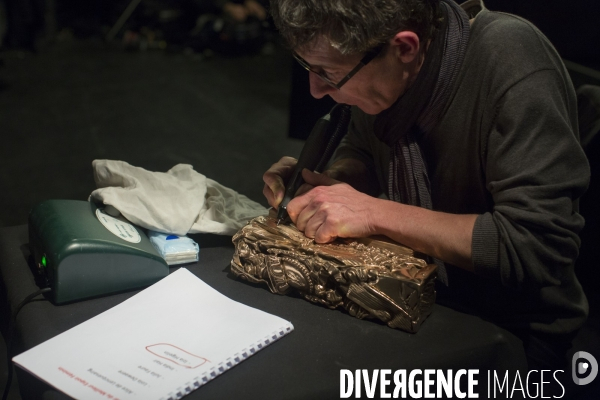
x: 44, y: 261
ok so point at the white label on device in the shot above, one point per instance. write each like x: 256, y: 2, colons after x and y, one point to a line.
x: 124, y: 230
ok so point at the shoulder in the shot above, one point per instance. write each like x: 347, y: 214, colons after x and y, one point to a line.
x: 509, y: 43
x: 505, y: 50
x: 496, y: 20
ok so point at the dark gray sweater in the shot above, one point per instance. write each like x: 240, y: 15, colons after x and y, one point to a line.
x: 507, y: 149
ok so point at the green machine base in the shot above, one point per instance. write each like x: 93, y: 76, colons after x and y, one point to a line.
x: 82, y: 252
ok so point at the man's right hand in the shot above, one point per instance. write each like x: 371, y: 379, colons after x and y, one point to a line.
x: 275, y: 179
x: 347, y: 170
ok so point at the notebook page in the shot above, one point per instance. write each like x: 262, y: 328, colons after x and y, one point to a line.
x: 163, y: 342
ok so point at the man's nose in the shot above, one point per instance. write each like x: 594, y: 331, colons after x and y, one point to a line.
x: 318, y: 87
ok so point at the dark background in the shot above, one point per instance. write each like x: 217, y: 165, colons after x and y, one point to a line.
x: 572, y: 26
x: 67, y: 97
x: 156, y: 97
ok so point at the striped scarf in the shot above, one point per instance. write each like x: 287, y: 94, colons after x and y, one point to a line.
x: 419, y: 109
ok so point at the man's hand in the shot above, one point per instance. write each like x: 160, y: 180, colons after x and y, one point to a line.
x: 332, y: 209
x: 328, y: 209
x: 275, y: 179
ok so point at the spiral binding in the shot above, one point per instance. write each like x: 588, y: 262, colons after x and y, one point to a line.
x: 230, y: 362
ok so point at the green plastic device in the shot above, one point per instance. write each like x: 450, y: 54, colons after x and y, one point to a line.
x: 82, y: 252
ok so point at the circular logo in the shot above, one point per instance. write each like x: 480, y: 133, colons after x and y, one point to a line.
x: 119, y: 228
x: 584, y: 363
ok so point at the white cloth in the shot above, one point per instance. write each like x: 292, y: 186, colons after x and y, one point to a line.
x: 179, y: 201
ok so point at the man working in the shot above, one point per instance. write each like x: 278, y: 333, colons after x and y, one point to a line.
x: 466, y: 120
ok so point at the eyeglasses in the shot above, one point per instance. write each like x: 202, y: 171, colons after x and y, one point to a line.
x: 371, y: 54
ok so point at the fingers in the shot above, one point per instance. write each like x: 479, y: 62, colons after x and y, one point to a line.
x: 315, y: 179
x: 305, y: 187
x: 327, y: 212
x: 275, y: 178
x: 321, y: 227
x: 317, y: 224
x: 278, y: 174
x: 325, y: 234
x: 305, y: 213
x: 270, y: 197
x: 303, y: 209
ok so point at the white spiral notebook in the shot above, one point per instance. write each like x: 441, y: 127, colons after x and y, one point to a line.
x: 162, y: 343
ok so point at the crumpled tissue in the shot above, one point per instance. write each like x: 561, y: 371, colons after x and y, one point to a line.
x: 179, y: 201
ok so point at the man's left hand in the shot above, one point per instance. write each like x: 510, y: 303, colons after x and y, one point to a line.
x: 332, y: 209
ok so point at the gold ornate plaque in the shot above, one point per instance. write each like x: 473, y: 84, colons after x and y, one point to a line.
x: 369, y: 278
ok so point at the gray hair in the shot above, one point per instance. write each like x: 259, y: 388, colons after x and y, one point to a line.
x: 353, y: 26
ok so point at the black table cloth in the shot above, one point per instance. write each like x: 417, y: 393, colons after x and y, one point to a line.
x: 304, y: 364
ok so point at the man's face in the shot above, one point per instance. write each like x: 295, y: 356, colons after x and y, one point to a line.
x: 373, y: 89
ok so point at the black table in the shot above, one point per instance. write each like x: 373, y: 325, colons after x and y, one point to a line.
x: 304, y: 364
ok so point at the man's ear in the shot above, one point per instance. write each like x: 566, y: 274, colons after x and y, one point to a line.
x: 407, y: 45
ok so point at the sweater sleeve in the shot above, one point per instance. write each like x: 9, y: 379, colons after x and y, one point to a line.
x: 535, y: 171
x: 360, y: 143
x: 356, y: 144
